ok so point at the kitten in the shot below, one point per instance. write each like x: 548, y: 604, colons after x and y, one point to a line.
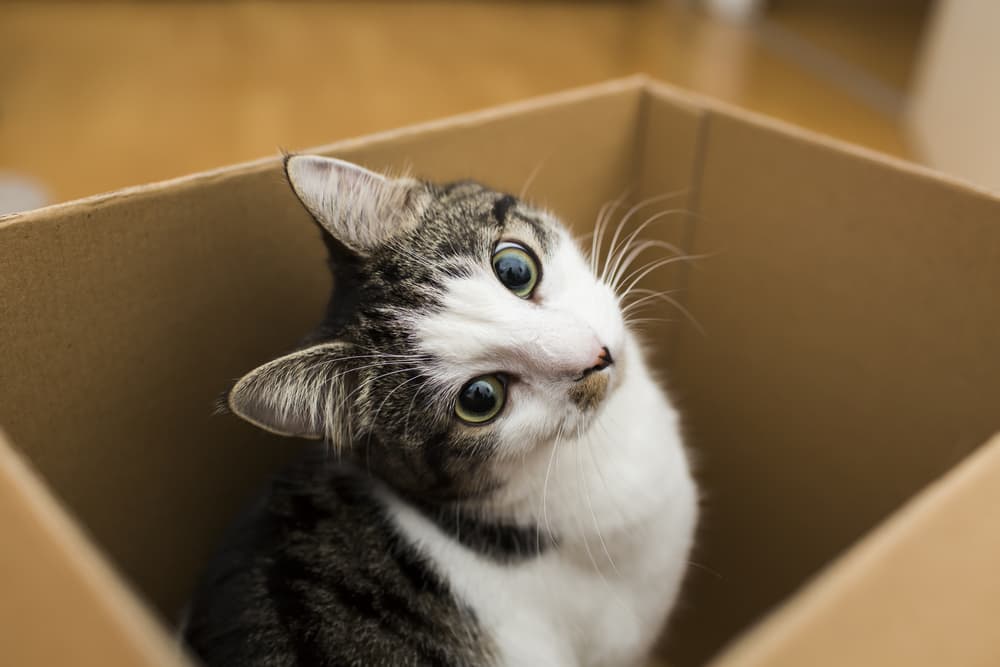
x: 502, y: 482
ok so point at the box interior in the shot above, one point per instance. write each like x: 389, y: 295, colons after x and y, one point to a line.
x: 920, y: 590
x: 844, y: 354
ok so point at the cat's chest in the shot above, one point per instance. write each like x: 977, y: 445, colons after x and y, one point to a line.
x: 576, y: 609
x: 622, y: 506
x: 569, y: 607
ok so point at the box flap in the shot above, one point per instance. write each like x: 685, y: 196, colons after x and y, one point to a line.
x: 61, y: 603
x: 921, y: 591
x: 849, y: 358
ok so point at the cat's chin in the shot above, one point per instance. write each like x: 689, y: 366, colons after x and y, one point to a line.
x: 590, y: 397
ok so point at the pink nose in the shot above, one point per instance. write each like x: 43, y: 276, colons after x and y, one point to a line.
x: 602, y: 361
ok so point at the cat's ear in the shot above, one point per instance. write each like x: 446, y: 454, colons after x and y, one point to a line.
x: 358, y: 207
x: 302, y: 394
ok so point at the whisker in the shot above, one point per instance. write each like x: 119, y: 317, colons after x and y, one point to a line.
x: 580, y: 527
x: 380, y: 354
x: 603, y: 216
x: 593, y: 514
x: 531, y: 178
x: 645, y: 320
x: 718, y: 575
x: 374, y: 421
x: 594, y: 248
x: 369, y: 381
x: 398, y: 246
x: 600, y: 472
x: 355, y: 369
x: 581, y: 244
x: 684, y: 311
x: 637, y: 250
x: 638, y: 230
x: 545, y: 490
x: 382, y: 359
x: 409, y: 410
x: 650, y: 295
x: 633, y: 278
x: 628, y: 216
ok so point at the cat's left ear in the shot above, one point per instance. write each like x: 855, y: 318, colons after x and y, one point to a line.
x: 302, y: 394
x: 358, y: 207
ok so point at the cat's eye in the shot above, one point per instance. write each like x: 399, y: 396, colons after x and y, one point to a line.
x: 516, y: 268
x: 481, y: 399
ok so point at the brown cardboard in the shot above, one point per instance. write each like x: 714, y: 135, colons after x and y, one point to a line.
x: 847, y: 359
x: 61, y: 604
x: 920, y: 591
x: 849, y: 310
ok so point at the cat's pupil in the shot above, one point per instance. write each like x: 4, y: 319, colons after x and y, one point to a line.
x: 516, y: 269
x: 513, y: 271
x: 479, y: 397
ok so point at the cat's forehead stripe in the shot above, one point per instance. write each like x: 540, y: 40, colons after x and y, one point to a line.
x: 466, y: 211
x: 500, y: 208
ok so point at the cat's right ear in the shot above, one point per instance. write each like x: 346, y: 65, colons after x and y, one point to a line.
x: 358, y: 207
x: 302, y: 394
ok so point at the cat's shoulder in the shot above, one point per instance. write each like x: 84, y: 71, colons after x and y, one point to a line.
x: 316, y: 568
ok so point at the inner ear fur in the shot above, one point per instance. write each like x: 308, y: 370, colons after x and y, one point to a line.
x: 360, y: 208
x: 301, y: 394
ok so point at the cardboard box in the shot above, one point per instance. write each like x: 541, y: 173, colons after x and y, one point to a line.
x: 837, y: 401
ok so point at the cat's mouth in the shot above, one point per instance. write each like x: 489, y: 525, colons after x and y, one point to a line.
x: 593, y: 385
x: 588, y: 392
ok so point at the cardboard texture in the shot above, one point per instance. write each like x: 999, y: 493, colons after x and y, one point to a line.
x: 846, y: 358
x: 62, y: 605
x: 920, y: 591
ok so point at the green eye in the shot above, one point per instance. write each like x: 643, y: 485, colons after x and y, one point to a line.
x: 481, y: 399
x: 516, y: 268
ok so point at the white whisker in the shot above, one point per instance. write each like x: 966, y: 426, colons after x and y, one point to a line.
x: 650, y: 296
x: 531, y: 178
x: 628, y: 216
x: 603, y: 217
x: 626, y: 261
x: 633, y: 278
x: 590, y: 506
x: 374, y: 420
x: 545, y: 490
x: 627, y: 243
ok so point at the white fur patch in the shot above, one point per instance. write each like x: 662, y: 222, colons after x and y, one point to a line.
x: 544, y: 343
x: 623, y: 504
x: 613, y: 485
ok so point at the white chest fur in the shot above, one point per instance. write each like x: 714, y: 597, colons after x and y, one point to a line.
x: 622, y: 503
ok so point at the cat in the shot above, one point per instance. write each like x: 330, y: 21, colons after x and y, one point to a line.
x: 499, y: 480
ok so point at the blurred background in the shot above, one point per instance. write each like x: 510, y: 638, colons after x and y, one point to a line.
x: 96, y: 96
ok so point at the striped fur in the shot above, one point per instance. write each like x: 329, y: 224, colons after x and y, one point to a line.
x: 380, y: 548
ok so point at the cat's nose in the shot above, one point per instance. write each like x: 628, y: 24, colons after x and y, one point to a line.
x: 602, y: 361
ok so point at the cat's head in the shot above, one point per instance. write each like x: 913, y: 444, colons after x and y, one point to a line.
x: 465, y: 329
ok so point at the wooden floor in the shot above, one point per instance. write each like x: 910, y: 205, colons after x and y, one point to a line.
x: 95, y: 96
